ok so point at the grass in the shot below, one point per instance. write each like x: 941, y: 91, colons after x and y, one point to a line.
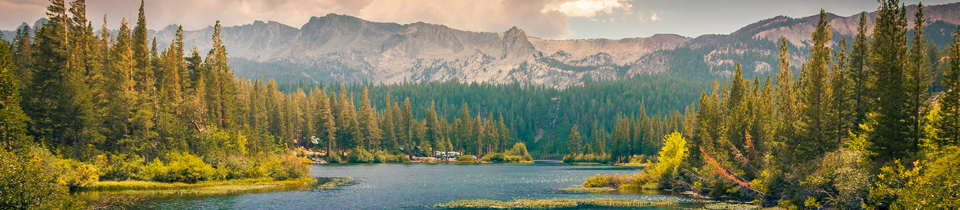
x: 330, y: 183
x: 632, y: 164
x: 147, y: 185
x: 238, y: 186
x: 555, y: 203
x: 590, y: 189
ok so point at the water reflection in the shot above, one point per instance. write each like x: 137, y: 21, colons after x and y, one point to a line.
x: 420, y: 186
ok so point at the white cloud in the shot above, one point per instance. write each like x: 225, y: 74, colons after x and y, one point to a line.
x: 654, y: 16
x: 587, y: 8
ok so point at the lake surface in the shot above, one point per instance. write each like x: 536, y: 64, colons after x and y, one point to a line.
x: 420, y: 186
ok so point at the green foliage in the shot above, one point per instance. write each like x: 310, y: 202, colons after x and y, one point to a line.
x: 587, y: 158
x: 119, y: 167
x: 180, y: 167
x: 608, y: 180
x: 517, y: 154
x: 333, y: 157
x: 357, y: 155
x: 289, y: 167
x: 466, y: 159
x: 931, y: 183
x: 673, y: 153
x: 24, y: 184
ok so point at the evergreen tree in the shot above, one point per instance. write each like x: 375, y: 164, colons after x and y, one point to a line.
x: 23, y: 56
x: 890, y: 139
x: 433, y: 134
x: 815, y: 96
x: 46, y: 93
x: 918, y: 81
x: 388, y: 127
x: 13, y: 122
x: 369, y: 128
x: 787, y: 107
x: 573, y: 141
x: 405, y: 127
x: 862, y: 77
x: 840, y: 105
x: 950, y: 104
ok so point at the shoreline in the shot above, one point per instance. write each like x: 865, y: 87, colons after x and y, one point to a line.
x: 159, y: 190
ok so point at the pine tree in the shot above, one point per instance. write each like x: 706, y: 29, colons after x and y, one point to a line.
x: 369, y: 127
x: 787, y: 110
x: 815, y: 95
x: 13, y: 122
x: 81, y: 83
x: 405, y: 127
x: 46, y: 91
x: 918, y: 82
x: 840, y: 104
x: 491, y: 136
x: 890, y: 139
x: 388, y: 126
x: 433, y: 134
x: 573, y: 141
x: 23, y: 56
x: 950, y: 104
x: 465, y: 130
x: 862, y: 77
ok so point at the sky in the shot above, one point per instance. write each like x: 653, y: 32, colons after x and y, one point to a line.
x: 551, y: 19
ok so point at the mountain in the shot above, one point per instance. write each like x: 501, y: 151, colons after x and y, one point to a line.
x: 345, y: 48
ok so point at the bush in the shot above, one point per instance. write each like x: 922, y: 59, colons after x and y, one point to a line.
x: 119, y: 167
x: 520, y: 149
x: 466, y: 159
x: 587, y: 158
x: 381, y: 157
x: 181, y: 167
x: 25, y: 185
x: 333, y: 157
x: 358, y: 155
x: 288, y: 167
x: 608, y: 180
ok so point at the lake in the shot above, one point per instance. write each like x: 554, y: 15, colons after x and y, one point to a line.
x: 421, y: 186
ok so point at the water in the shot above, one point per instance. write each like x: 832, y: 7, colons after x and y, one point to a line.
x: 420, y: 186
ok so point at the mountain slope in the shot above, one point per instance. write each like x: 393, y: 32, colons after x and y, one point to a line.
x: 345, y: 48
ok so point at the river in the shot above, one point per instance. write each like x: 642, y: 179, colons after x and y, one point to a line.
x: 420, y: 186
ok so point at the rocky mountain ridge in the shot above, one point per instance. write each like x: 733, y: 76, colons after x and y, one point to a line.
x: 345, y: 48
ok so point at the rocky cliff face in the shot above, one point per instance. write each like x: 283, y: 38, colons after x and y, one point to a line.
x: 344, y: 48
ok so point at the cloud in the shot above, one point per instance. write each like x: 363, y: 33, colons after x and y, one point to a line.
x: 587, y: 8
x: 654, y: 16
x: 474, y: 15
x: 494, y: 15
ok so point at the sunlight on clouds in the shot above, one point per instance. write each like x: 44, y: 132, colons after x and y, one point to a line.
x: 587, y: 8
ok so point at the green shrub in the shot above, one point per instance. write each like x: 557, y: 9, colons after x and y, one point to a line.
x: 333, y: 157
x: 288, y: 167
x: 466, y: 159
x: 380, y: 157
x: 587, y: 158
x: 181, y: 167
x: 520, y: 149
x: 608, y: 180
x: 358, y: 155
x: 25, y: 185
x: 119, y: 167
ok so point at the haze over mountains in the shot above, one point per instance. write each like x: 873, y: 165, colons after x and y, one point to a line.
x: 345, y: 48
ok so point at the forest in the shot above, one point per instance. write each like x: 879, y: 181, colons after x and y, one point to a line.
x: 857, y: 128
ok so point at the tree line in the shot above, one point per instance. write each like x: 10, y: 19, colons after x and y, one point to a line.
x: 840, y: 134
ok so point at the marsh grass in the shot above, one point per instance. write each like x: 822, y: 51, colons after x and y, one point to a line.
x: 333, y: 182
x: 589, y: 189
x: 555, y: 203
